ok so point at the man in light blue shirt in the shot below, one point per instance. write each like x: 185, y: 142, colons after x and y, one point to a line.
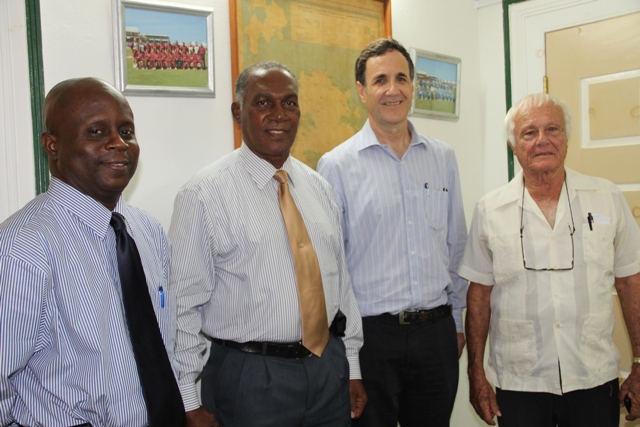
x: 404, y: 233
x: 66, y: 356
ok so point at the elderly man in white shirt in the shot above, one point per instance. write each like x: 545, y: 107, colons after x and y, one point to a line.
x: 544, y: 254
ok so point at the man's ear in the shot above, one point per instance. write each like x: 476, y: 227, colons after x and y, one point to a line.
x: 50, y: 144
x: 361, y: 90
x: 235, y: 112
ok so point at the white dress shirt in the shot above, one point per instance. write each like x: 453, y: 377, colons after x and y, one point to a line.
x: 65, y: 352
x: 402, y: 220
x: 542, y: 319
x: 232, y: 267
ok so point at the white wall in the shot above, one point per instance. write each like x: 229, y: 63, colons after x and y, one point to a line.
x: 177, y: 136
x: 180, y: 135
x: 17, y: 182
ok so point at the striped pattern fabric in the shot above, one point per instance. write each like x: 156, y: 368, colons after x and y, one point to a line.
x: 232, y: 267
x: 65, y: 353
x: 403, y: 222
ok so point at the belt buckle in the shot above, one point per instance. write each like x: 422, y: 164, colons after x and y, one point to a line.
x: 401, y: 318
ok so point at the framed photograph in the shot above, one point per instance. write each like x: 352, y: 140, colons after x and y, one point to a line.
x: 436, y: 85
x: 163, y: 49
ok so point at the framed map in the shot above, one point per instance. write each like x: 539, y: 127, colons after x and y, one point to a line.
x: 320, y: 41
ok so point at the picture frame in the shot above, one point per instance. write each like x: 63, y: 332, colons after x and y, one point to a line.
x: 436, y: 85
x: 163, y: 49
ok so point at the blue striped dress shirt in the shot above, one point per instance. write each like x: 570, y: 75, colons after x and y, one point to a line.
x: 403, y: 222
x: 232, y: 268
x: 65, y: 353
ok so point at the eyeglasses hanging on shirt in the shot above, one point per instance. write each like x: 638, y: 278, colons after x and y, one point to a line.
x: 572, y: 230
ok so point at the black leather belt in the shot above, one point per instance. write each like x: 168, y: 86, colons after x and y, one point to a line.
x: 290, y: 351
x: 412, y: 317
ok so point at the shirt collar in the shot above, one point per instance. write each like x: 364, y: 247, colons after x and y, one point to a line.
x: 513, y: 190
x: 370, y: 139
x: 86, y: 209
x: 260, y: 170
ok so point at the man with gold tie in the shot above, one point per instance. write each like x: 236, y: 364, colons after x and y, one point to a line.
x: 259, y: 268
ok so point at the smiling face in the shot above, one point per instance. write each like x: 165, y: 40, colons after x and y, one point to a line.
x: 541, y: 140
x: 389, y: 91
x: 90, y: 139
x: 269, y: 114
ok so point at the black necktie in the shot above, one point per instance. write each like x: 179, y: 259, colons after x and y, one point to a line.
x: 159, y: 387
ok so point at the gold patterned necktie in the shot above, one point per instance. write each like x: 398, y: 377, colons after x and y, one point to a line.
x: 313, y: 311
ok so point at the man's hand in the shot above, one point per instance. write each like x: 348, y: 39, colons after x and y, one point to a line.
x: 461, y: 343
x: 631, y: 387
x: 200, y: 418
x: 358, y: 398
x: 483, y: 399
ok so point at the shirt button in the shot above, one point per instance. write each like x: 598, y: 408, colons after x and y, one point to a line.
x: 412, y: 252
x: 302, y: 245
x: 557, y: 325
x: 553, y: 238
x: 414, y: 283
x: 410, y: 222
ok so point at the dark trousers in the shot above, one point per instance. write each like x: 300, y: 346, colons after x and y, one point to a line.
x: 410, y: 372
x: 251, y: 390
x: 594, y: 407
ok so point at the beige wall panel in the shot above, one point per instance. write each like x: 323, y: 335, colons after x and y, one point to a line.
x: 596, y: 49
x: 613, y: 109
x: 633, y: 199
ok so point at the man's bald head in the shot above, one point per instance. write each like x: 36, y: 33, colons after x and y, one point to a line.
x: 90, y: 138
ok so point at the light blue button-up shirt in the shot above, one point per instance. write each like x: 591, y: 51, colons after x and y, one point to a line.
x: 403, y: 222
x: 65, y: 353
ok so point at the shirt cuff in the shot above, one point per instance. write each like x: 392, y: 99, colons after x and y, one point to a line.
x: 190, y: 397
x: 354, y: 367
x: 457, y: 317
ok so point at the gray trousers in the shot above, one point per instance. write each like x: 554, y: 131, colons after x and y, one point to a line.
x: 251, y: 390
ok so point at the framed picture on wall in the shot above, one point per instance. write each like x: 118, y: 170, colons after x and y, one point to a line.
x: 436, y: 85
x: 163, y: 49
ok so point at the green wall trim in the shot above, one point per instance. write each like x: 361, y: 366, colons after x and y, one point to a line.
x: 507, y: 70
x: 36, y: 80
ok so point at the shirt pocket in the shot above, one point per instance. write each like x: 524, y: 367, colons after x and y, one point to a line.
x: 514, y: 346
x: 596, y: 342
x: 436, y: 206
x: 598, y: 245
x: 506, y: 251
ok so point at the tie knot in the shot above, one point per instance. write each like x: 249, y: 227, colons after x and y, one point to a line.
x: 281, y: 176
x: 117, y: 222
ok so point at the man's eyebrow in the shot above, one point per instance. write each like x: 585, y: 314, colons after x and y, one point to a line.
x: 377, y: 76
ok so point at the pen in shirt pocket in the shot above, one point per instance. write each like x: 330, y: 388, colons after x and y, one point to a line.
x: 161, y: 292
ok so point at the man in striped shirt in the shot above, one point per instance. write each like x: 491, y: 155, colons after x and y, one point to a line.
x: 404, y: 233
x: 235, y: 279
x: 66, y: 358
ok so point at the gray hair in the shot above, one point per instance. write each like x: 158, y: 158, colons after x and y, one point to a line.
x: 534, y: 100
x: 243, y: 78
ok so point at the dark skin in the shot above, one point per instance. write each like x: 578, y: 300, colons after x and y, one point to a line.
x: 269, y: 117
x: 90, y: 138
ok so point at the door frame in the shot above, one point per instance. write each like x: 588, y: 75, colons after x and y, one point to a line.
x: 527, y: 23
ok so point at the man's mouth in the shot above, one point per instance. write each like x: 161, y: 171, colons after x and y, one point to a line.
x: 392, y: 104
x: 122, y: 164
